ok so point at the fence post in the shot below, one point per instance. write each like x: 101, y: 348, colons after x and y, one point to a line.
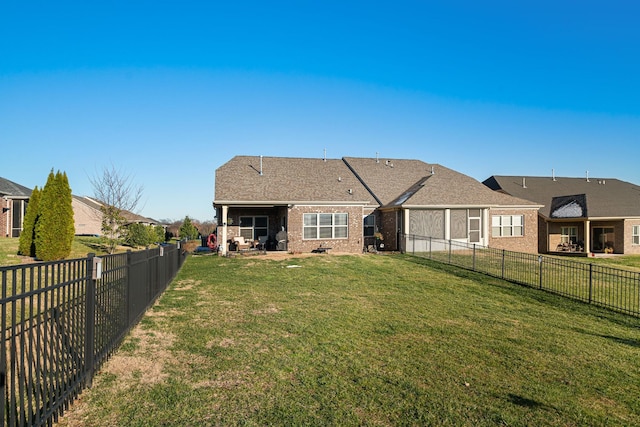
x: 128, y: 285
x: 590, y: 282
x: 503, y: 264
x: 430, y: 247
x: 474, y: 257
x: 540, y: 262
x: 449, y: 241
x: 90, y: 322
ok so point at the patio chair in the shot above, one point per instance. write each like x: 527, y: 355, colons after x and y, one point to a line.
x: 241, y: 243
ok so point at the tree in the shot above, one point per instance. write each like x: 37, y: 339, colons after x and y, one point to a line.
x: 117, y: 194
x: 207, y: 227
x: 187, y: 230
x: 137, y: 235
x: 54, y: 228
x: 27, y: 244
x: 143, y: 235
x: 158, y: 234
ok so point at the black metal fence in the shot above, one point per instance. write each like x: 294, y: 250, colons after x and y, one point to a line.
x: 61, y: 321
x: 612, y: 288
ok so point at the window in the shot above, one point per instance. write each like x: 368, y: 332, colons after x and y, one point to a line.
x: 369, y: 225
x: 325, y: 226
x: 568, y: 234
x: 507, y: 225
x: 635, y: 235
x: 252, y: 227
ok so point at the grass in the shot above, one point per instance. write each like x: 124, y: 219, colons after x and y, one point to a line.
x: 364, y: 340
x: 82, y: 245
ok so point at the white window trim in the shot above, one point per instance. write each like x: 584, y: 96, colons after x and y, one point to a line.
x: 504, y: 222
x: 333, y: 226
x: 635, y: 235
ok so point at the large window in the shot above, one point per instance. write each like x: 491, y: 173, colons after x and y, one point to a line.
x: 325, y: 225
x: 507, y: 225
x: 568, y: 234
x: 252, y: 227
x: 369, y: 225
x: 635, y: 235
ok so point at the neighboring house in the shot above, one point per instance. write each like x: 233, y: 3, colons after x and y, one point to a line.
x: 341, y: 204
x: 582, y: 215
x: 15, y: 198
x: 88, y: 216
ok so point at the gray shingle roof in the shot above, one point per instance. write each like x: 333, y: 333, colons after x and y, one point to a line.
x: 389, y: 183
x: 398, y: 182
x: 603, y: 197
x: 10, y: 188
x: 287, y: 180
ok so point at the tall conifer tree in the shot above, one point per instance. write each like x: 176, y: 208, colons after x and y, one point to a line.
x: 54, y: 229
x: 27, y: 245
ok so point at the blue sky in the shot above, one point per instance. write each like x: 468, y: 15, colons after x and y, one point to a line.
x: 169, y: 91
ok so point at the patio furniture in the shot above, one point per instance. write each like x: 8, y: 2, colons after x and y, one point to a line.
x: 241, y: 243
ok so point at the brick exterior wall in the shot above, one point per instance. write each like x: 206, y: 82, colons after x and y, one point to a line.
x: 389, y: 229
x: 353, y: 244
x: 292, y: 219
x: 527, y: 243
x: 628, y: 246
x: 5, y: 217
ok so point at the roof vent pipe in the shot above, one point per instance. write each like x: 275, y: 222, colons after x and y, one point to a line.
x: 588, y: 176
x: 324, y: 159
x: 260, y: 165
x: 432, y: 170
x: 553, y: 174
x: 377, y: 159
x: 524, y: 182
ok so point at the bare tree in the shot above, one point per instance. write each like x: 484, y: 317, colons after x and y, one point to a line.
x: 117, y: 194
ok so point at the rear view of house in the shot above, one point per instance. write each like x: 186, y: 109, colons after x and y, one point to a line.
x: 302, y: 204
x: 580, y: 215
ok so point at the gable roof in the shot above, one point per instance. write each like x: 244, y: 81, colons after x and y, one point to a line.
x: 10, y: 188
x: 130, y: 217
x: 601, y: 198
x: 282, y: 180
x: 398, y: 182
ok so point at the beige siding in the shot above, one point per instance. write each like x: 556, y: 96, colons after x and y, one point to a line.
x: 86, y: 219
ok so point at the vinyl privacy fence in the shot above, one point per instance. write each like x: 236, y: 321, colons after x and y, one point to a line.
x: 62, y: 320
x: 607, y: 287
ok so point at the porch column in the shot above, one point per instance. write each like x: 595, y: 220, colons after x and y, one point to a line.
x: 587, y: 236
x: 405, y: 226
x: 447, y: 224
x: 485, y: 227
x: 225, y: 212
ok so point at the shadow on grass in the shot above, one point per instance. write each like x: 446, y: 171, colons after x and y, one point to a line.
x: 524, y: 401
x: 625, y: 341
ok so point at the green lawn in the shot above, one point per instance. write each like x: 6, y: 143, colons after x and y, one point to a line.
x: 364, y: 340
x: 82, y: 245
